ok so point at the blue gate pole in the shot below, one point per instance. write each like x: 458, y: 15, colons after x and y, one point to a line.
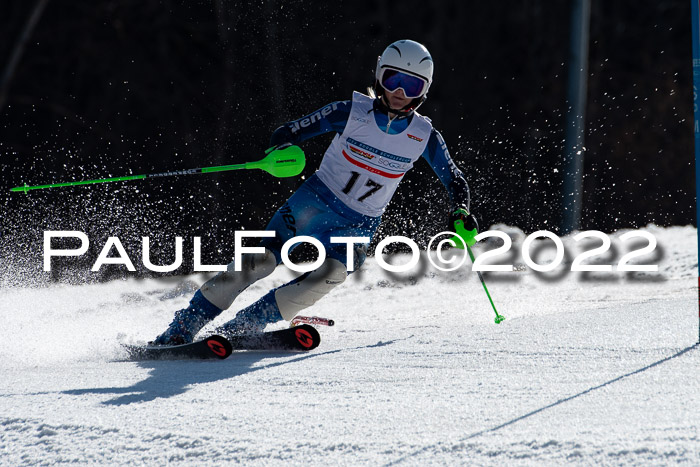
x: 695, y: 13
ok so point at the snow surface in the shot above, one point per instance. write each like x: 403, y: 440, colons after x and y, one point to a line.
x: 598, y: 368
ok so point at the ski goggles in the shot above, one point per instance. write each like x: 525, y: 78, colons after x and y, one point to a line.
x: 412, y: 85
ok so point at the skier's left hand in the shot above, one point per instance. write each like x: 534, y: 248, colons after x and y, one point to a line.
x: 464, y: 225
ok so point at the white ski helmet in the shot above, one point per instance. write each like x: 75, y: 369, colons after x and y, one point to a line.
x: 411, y: 58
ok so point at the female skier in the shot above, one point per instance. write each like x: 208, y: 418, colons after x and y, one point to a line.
x: 377, y: 141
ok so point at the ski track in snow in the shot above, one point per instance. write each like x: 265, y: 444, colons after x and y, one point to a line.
x: 593, y: 369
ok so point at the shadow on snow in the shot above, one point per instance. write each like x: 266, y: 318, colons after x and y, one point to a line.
x: 174, y: 377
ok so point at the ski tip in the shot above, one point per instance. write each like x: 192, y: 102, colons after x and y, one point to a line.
x: 212, y: 347
x: 219, y: 346
x: 307, y: 336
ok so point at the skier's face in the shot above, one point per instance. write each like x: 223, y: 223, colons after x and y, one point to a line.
x: 397, y: 99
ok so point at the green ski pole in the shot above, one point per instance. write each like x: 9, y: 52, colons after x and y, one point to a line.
x: 286, y: 162
x: 464, y: 234
x: 498, y: 318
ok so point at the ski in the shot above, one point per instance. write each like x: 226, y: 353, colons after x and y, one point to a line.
x: 302, y: 337
x: 209, y: 348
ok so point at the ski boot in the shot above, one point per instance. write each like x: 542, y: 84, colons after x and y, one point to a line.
x: 188, y: 321
x: 253, y: 318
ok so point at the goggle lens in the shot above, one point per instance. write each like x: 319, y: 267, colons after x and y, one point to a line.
x: 412, y: 86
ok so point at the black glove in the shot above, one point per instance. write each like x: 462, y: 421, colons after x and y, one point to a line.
x: 276, y: 147
x: 464, y: 224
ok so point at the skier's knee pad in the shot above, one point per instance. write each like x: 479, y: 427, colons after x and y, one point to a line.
x: 300, y: 294
x: 222, y: 289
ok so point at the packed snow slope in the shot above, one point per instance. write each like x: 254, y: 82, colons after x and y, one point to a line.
x: 587, y: 368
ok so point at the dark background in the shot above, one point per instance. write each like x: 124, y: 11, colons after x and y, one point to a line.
x: 109, y: 88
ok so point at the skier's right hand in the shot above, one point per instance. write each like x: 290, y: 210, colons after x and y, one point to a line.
x: 277, y: 147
